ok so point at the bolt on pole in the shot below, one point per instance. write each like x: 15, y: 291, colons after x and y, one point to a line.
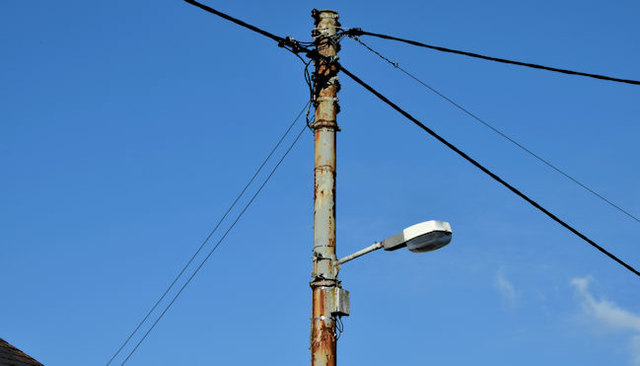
x: 325, y: 284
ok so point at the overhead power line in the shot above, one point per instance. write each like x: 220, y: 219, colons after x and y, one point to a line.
x: 296, y: 47
x: 211, y: 233
x: 496, y: 130
x: 485, y: 170
x: 360, y: 32
x: 235, y: 20
x: 217, y: 244
x: 287, y: 43
x: 206, y: 240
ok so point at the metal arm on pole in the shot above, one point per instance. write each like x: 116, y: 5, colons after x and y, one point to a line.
x: 360, y: 253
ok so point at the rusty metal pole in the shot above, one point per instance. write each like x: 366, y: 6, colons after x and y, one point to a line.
x: 324, y: 276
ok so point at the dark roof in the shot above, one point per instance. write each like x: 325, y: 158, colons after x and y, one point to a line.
x: 11, y: 356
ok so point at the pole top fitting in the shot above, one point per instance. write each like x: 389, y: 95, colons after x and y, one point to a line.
x: 318, y: 15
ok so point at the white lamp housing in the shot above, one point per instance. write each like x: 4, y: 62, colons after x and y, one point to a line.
x: 423, y: 237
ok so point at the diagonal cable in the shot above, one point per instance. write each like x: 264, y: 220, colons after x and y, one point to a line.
x: 360, y: 32
x: 206, y: 240
x: 494, y: 129
x: 487, y: 171
x: 216, y: 245
x: 235, y: 20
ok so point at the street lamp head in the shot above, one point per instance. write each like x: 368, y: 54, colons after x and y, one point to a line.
x: 423, y: 237
x: 427, y: 236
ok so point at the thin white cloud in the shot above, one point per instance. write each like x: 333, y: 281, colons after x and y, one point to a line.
x: 606, y: 312
x: 505, y: 288
x: 635, y: 349
x: 609, y: 315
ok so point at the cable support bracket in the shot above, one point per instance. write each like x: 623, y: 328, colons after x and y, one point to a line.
x: 324, y: 283
x: 289, y: 41
x: 333, y: 100
x: 325, y: 124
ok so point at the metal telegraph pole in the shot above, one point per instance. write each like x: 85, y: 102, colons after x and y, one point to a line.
x: 329, y: 300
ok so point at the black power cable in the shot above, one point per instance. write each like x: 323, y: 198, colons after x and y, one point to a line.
x: 286, y: 42
x: 485, y: 170
x: 206, y: 240
x: 360, y: 32
x: 237, y: 21
x: 244, y: 209
x: 494, y: 129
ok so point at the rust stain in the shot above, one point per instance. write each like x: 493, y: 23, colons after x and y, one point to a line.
x: 323, y: 342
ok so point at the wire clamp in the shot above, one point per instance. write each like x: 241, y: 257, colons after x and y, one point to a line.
x: 294, y: 45
x: 353, y: 32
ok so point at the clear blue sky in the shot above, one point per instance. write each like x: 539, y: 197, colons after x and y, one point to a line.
x: 127, y: 127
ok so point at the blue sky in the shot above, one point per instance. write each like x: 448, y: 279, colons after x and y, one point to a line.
x: 127, y: 128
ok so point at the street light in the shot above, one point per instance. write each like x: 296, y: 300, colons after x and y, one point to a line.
x: 419, y: 238
x: 423, y: 237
